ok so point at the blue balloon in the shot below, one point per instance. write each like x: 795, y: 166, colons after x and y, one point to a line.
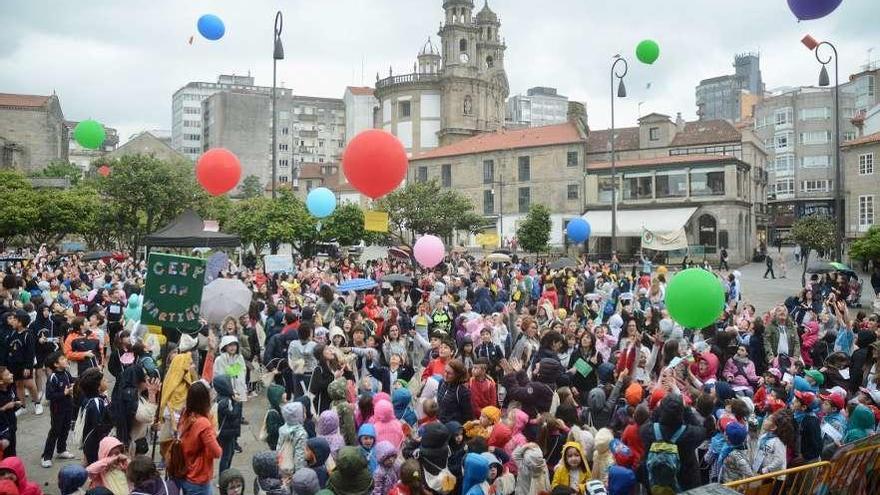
x: 806, y: 10
x: 211, y: 27
x: 321, y: 202
x: 578, y: 230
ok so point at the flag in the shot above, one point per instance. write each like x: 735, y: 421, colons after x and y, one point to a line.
x: 375, y: 221
x: 664, y: 242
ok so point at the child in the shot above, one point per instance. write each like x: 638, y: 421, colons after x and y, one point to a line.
x: 109, y: 470
x: 476, y: 473
x: 352, y: 474
x: 365, y: 407
x: 72, y: 479
x: 482, y: 427
x: 739, y: 371
x: 483, y: 390
x: 532, y: 469
x: 337, y: 390
x: 833, y: 423
x: 387, y: 426
x: 770, y: 454
x: 809, y: 428
x: 292, y: 439
x: 430, y: 409
x: 9, y: 403
x: 317, y: 453
x: 500, y: 481
x: 305, y: 482
x: 144, y: 478
x: 231, y: 482
x: 573, y: 471
x: 602, y: 456
x: 401, y: 399
x: 861, y: 424
x: 97, y: 423
x: 59, y: 392
x: 466, y: 353
x: 735, y: 460
x: 21, y: 356
x: 366, y: 440
x: 410, y: 479
x: 228, y: 418
x: 231, y: 363
x: 490, y: 351
x: 11, y: 468
x: 386, y: 475
x: 328, y: 428
x: 273, y: 419
x: 267, y: 479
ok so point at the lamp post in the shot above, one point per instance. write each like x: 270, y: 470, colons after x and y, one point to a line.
x: 621, y: 93
x: 839, y: 214
x: 277, y: 54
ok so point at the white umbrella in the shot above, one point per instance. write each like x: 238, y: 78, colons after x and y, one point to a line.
x: 225, y: 297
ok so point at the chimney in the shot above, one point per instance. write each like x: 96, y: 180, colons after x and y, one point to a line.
x: 679, y: 122
x: 577, y: 115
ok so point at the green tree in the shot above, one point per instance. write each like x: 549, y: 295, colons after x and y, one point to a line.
x: 813, y: 233
x: 63, y: 213
x: 426, y: 208
x: 61, y: 169
x: 250, y: 187
x: 17, y: 214
x: 867, y: 247
x: 346, y: 226
x: 219, y: 208
x: 534, y: 232
x: 262, y: 221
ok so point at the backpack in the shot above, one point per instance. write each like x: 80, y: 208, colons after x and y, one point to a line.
x: 176, y: 466
x: 663, y: 463
x: 80, y: 423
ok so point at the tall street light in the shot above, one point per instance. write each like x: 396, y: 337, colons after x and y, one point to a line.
x: 277, y: 54
x: 621, y: 93
x: 839, y: 215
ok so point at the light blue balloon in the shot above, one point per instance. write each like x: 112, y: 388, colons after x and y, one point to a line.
x: 321, y: 202
x: 578, y: 230
x: 211, y: 27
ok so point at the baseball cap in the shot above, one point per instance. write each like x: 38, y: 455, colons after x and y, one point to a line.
x: 816, y: 375
x: 806, y: 398
x: 835, y: 400
x: 873, y: 394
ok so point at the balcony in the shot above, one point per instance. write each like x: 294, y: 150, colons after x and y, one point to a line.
x: 308, y: 134
x: 413, y: 78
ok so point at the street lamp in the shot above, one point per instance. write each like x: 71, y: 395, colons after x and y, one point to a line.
x: 621, y: 93
x: 277, y: 54
x: 840, y: 217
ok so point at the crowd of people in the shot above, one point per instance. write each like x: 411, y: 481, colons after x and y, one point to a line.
x: 471, y: 378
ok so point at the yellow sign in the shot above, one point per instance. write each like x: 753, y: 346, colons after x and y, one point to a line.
x: 488, y: 239
x: 375, y: 221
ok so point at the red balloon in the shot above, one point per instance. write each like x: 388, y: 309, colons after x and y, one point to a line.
x: 218, y: 171
x: 104, y: 170
x: 375, y: 163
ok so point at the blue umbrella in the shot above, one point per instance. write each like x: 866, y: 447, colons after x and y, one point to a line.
x: 357, y: 284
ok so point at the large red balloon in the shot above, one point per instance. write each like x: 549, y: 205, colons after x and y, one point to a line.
x: 375, y: 163
x: 218, y: 171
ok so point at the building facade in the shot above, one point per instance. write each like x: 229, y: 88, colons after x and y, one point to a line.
x: 704, y: 180
x: 83, y: 157
x: 32, y: 132
x: 145, y: 143
x: 861, y: 158
x: 455, y: 91
x: 360, y: 107
x: 730, y: 97
x: 539, y: 106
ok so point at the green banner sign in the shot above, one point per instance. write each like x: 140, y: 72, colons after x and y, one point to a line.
x: 173, y: 292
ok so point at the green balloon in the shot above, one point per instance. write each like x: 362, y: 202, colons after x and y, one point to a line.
x: 648, y: 51
x: 89, y: 134
x: 695, y: 298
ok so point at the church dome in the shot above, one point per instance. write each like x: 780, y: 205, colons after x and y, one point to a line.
x: 429, y: 49
x: 486, y: 15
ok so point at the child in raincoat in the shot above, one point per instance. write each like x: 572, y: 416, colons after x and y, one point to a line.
x: 109, y: 470
x: 573, y: 470
x: 231, y: 363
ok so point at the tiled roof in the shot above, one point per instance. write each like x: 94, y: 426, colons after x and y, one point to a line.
x: 662, y: 160
x: 706, y: 132
x: 600, y: 141
x: 509, y: 139
x: 13, y: 100
x: 870, y: 138
x: 360, y: 90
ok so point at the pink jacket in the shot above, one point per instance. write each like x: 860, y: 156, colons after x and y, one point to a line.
x: 606, y: 345
x: 388, y: 428
x: 520, y: 421
x: 746, y: 379
x: 808, y: 340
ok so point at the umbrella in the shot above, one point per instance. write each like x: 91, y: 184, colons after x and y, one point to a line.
x: 821, y: 267
x: 840, y: 266
x: 563, y: 263
x: 397, y: 278
x: 356, y: 285
x: 225, y: 297
x: 371, y: 253
x: 96, y: 255
x: 498, y: 258
x: 401, y: 252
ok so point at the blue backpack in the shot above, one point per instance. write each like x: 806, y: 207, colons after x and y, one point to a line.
x: 664, y: 463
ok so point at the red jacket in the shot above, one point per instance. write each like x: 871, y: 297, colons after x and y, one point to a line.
x: 483, y: 394
x: 633, y: 440
x: 435, y: 367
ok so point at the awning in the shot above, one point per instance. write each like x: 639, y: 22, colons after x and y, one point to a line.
x: 631, y: 223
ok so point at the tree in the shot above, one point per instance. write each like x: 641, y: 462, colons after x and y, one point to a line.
x: 425, y: 208
x: 63, y: 213
x: 17, y: 214
x: 867, y: 247
x: 534, y: 232
x: 346, y: 226
x: 61, y: 169
x: 219, y: 208
x: 250, y: 187
x: 813, y: 233
x: 263, y: 221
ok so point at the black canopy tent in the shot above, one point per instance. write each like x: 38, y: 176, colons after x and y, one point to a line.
x: 188, y: 231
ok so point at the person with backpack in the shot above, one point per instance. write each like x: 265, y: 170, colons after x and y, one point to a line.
x: 94, y: 420
x: 179, y: 377
x: 59, y: 392
x: 190, y: 463
x: 671, y: 444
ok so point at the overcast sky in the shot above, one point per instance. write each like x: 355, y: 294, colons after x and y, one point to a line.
x: 120, y: 61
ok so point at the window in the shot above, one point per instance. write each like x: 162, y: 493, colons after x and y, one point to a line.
x: 320, y: 143
x: 783, y: 116
x: 422, y: 174
x: 283, y: 147
x: 490, y: 62
x: 782, y: 141
x: 818, y: 185
x: 488, y: 202
x: 285, y: 131
x: 192, y: 110
x: 866, y: 164
x: 815, y: 137
x: 524, y: 168
x: 654, y: 134
x: 707, y: 183
x: 446, y: 175
x: 488, y: 171
x: 784, y: 186
x: 462, y: 45
x: 818, y: 113
x: 572, y: 159
x: 283, y: 178
x: 708, y: 227
x: 671, y: 185
x: 638, y: 187
x: 815, y: 161
x: 403, y: 109
x: 784, y: 164
x: 849, y: 135
x: 573, y: 190
x: 192, y: 137
x: 283, y: 163
x: 605, y: 189
x: 524, y: 199
x: 866, y: 211
x: 191, y: 123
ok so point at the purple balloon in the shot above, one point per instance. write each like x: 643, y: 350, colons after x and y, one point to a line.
x: 806, y: 10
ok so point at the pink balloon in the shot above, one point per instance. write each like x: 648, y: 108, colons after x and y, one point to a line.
x: 429, y: 251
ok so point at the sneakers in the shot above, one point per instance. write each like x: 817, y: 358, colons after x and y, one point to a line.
x: 19, y: 412
x: 66, y: 455
x: 38, y: 409
x: 46, y: 463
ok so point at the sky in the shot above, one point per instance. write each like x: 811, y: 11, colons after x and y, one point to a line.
x: 120, y: 62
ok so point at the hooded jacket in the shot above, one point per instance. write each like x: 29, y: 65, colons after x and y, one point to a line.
x: 561, y: 476
x: 305, y: 482
x: 25, y: 487
x: 228, y: 409
x: 234, y: 366
x: 175, y: 386
x: 532, y: 467
x: 226, y: 477
x: 517, y: 438
x: 476, y: 472
x: 274, y: 419
x: 602, y: 456
x: 387, y: 426
x: 72, y: 478
x: 504, y: 483
x: 455, y: 403
x: 156, y: 486
x: 621, y: 480
x: 670, y: 415
x: 292, y: 437
x: 321, y: 450
x: 108, y: 471
x: 338, y: 391
x: 351, y: 476
x: 368, y: 430
x: 401, y: 399
x: 384, y: 478
x: 861, y: 424
x: 328, y: 428
x: 267, y: 479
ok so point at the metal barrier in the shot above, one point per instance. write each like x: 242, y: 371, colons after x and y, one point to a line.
x: 801, y: 480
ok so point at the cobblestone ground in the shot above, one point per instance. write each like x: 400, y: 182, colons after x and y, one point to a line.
x: 32, y: 430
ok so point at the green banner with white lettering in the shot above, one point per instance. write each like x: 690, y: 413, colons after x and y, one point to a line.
x: 173, y: 292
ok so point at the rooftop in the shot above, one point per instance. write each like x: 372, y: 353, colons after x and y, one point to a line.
x: 663, y: 160
x: 705, y: 132
x: 626, y: 139
x: 566, y: 133
x: 13, y: 100
x: 869, y: 139
x: 360, y: 90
